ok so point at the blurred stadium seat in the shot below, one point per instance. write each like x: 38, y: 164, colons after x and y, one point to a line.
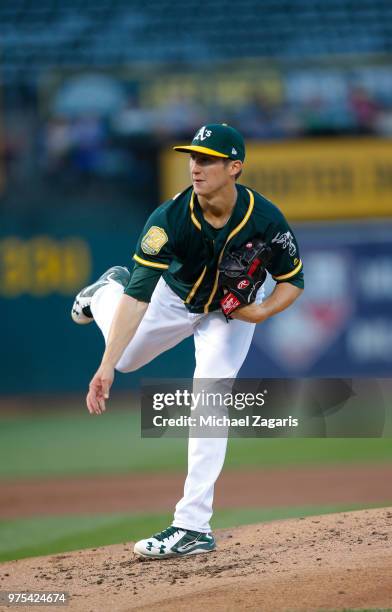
x: 35, y: 36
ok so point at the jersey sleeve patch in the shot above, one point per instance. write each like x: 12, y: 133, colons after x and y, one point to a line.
x: 154, y: 240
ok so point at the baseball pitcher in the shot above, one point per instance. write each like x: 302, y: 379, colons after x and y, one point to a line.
x: 199, y: 268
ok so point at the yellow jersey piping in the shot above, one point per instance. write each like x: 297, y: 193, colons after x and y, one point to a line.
x: 193, y: 216
x: 150, y: 264
x: 230, y: 236
x: 289, y: 274
x: 196, y: 286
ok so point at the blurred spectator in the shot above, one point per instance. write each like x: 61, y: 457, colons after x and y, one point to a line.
x: 133, y: 119
x: 321, y: 117
x: 261, y: 118
x: 179, y: 117
x: 114, y: 151
x: 365, y: 109
x: 88, y: 140
x: 57, y: 144
x: 383, y: 123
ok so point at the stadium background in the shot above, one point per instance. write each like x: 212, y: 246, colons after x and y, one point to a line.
x: 93, y: 95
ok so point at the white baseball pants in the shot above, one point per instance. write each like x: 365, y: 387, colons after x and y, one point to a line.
x: 220, y: 350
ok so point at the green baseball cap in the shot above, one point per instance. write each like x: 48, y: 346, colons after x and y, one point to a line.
x: 218, y: 140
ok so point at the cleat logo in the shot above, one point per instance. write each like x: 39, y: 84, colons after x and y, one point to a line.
x: 162, y: 549
x: 188, y: 545
x: 149, y: 546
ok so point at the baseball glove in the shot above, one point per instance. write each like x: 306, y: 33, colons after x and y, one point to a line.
x: 241, y: 274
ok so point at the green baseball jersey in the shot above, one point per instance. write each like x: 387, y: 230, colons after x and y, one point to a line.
x: 180, y: 244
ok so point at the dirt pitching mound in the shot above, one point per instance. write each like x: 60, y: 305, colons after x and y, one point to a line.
x: 329, y: 562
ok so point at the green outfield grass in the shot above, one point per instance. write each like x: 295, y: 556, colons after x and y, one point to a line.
x: 74, y: 443
x: 50, y: 535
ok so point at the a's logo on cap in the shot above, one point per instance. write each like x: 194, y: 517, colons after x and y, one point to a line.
x: 234, y: 151
x: 202, y: 134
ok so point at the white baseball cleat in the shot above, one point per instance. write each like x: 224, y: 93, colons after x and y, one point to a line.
x: 81, y: 312
x: 175, y: 542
